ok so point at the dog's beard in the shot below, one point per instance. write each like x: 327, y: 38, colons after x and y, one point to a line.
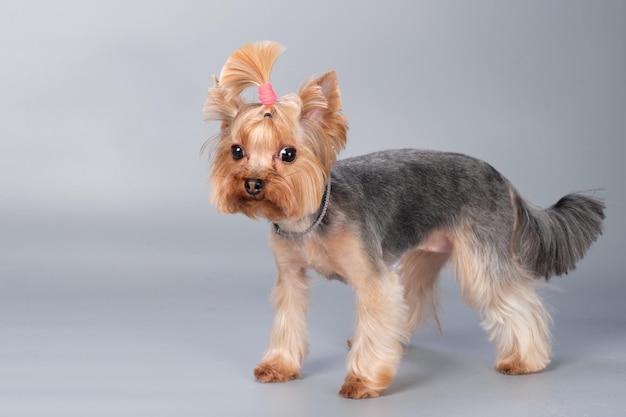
x: 282, y: 198
x: 255, y: 207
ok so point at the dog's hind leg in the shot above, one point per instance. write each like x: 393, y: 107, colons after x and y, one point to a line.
x: 513, y: 314
x: 519, y: 325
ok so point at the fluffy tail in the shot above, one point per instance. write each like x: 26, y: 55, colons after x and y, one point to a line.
x: 550, y: 241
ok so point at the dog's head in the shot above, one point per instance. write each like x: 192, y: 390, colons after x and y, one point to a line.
x: 272, y: 159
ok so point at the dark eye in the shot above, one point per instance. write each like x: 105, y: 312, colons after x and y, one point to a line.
x: 237, y: 152
x: 288, y: 154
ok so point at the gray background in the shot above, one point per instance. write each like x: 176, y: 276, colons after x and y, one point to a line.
x: 123, y: 293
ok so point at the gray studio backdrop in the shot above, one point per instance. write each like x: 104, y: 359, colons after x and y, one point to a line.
x: 122, y: 292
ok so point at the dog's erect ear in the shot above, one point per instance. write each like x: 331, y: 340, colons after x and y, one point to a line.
x: 320, y: 97
x: 321, y: 102
x: 218, y: 107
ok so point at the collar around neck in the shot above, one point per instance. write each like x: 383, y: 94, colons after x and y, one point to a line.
x: 322, y: 212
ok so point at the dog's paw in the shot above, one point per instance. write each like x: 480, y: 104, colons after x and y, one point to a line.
x: 517, y: 367
x: 273, y: 372
x: 357, y: 388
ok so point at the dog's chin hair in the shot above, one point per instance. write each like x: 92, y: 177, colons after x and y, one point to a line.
x: 282, y: 199
x: 259, y: 209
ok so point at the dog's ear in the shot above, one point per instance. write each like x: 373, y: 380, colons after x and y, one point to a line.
x: 321, y: 102
x: 219, y: 106
x: 320, y: 97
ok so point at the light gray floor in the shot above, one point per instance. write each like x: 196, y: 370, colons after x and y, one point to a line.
x: 137, y: 321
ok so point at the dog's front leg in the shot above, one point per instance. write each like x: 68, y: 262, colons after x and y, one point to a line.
x: 380, y: 332
x: 288, y: 338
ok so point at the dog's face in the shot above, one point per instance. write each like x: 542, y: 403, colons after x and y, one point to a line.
x: 265, y: 166
x: 273, y: 161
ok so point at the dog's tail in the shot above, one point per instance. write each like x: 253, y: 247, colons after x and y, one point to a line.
x: 550, y: 241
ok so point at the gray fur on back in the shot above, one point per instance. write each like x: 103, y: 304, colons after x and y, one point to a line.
x: 401, y: 196
x: 398, y: 197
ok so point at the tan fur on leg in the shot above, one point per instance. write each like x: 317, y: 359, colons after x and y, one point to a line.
x: 518, y: 324
x: 419, y: 271
x: 288, y: 339
x: 380, y: 331
x: 514, y: 315
x: 376, y: 348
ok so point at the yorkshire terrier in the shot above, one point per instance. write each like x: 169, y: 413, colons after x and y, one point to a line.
x: 384, y: 223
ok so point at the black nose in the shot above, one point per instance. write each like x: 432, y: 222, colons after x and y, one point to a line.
x: 254, y: 186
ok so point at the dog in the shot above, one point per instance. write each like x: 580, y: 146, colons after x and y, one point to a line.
x: 383, y: 223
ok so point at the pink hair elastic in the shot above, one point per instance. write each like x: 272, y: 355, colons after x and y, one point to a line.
x: 266, y: 94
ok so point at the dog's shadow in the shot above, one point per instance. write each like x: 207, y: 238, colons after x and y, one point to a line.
x: 422, y: 365
x: 419, y: 366
x: 320, y: 365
